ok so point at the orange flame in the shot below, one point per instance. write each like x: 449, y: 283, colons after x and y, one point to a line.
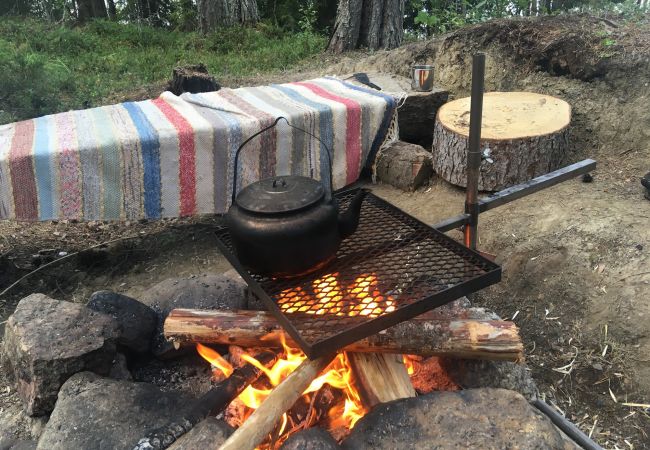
x: 361, y: 298
x: 215, y: 359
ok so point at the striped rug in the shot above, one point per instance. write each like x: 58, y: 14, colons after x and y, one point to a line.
x: 173, y: 156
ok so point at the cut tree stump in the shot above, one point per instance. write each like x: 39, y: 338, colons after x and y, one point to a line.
x: 193, y: 79
x: 404, y: 166
x: 527, y: 134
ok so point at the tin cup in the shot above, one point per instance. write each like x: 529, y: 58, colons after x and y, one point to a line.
x: 422, y: 78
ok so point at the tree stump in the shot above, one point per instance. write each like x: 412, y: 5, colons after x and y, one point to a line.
x: 192, y: 79
x: 404, y: 166
x: 526, y: 133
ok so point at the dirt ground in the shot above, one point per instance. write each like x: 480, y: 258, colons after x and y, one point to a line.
x: 576, y: 272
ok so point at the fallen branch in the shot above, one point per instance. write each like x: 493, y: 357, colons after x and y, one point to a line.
x: 474, y: 339
x: 211, y: 403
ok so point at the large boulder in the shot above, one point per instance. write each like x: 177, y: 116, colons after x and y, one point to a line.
x: 474, y: 418
x: 137, y: 321
x: 99, y: 413
x: 46, y: 341
x: 210, y: 433
x: 208, y: 291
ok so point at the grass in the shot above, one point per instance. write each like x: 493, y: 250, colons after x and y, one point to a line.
x: 47, y: 68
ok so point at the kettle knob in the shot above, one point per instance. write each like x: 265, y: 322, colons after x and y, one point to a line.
x: 279, y: 183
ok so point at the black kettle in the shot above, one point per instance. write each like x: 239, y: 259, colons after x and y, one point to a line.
x: 287, y: 226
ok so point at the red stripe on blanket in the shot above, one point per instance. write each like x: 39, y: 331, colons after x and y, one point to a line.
x: 352, y: 132
x: 22, y: 172
x: 186, y: 163
x: 71, y: 197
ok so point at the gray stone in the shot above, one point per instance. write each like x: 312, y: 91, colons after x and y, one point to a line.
x: 46, y: 341
x: 103, y: 414
x: 137, y: 321
x: 210, y: 433
x: 8, y: 443
x: 474, y: 418
x: 311, y: 439
x: 208, y: 291
x: 471, y: 373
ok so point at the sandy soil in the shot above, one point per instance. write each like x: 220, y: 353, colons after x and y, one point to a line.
x: 576, y: 275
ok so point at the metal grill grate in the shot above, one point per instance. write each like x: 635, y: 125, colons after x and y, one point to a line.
x: 391, y: 269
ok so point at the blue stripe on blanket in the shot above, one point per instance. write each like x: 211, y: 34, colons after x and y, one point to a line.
x: 150, y: 160
x: 44, y: 170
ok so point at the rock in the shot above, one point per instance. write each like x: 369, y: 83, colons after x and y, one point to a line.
x: 189, y: 374
x: 469, y: 373
x: 16, y: 444
x: 46, y: 341
x: 404, y: 166
x: 474, y: 418
x: 99, y: 413
x: 119, y: 369
x: 208, y: 291
x: 210, y: 433
x: 311, y: 439
x: 137, y: 321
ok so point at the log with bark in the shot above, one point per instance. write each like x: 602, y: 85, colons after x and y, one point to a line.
x: 527, y: 136
x: 404, y: 166
x: 429, y: 335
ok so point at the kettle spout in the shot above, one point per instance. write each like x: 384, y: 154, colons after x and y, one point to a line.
x: 349, y: 219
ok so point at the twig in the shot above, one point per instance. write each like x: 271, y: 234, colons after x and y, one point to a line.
x: 17, y: 282
x: 634, y: 275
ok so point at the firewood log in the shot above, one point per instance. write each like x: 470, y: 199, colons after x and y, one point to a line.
x: 463, y: 338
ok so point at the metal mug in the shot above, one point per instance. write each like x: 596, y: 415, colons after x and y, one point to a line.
x: 422, y: 78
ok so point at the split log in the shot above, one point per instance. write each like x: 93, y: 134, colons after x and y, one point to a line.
x: 404, y: 166
x: 258, y: 426
x: 380, y: 377
x: 527, y: 134
x: 211, y: 403
x: 473, y: 339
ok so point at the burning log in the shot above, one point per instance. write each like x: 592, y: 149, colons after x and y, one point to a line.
x: 380, y: 377
x: 470, y: 339
x: 211, y: 403
x: 258, y: 426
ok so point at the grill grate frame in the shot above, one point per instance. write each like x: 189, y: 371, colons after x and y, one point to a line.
x: 393, y: 268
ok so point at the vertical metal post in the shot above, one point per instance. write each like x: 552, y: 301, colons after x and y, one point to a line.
x: 474, y: 149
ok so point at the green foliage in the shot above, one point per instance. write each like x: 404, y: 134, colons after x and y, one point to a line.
x: 49, y: 68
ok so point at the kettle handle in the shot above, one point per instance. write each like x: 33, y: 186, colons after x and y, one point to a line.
x: 236, y: 162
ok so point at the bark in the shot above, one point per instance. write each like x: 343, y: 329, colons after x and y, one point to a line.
x: 112, y: 12
x: 213, y: 14
x: 367, y: 23
x: 404, y: 166
x: 427, y: 335
x: 90, y: 9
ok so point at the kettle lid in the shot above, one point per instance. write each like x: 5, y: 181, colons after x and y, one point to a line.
x: 280, y: 194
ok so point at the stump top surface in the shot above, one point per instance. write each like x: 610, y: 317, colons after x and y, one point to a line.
x: 509, y: 115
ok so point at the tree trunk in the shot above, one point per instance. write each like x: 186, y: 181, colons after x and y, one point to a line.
x: 112, y: 12
x: 527, y: 135
x: 213, y: 14
x: 367, y: 23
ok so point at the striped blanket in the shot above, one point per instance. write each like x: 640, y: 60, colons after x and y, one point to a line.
x: 173, y: 156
